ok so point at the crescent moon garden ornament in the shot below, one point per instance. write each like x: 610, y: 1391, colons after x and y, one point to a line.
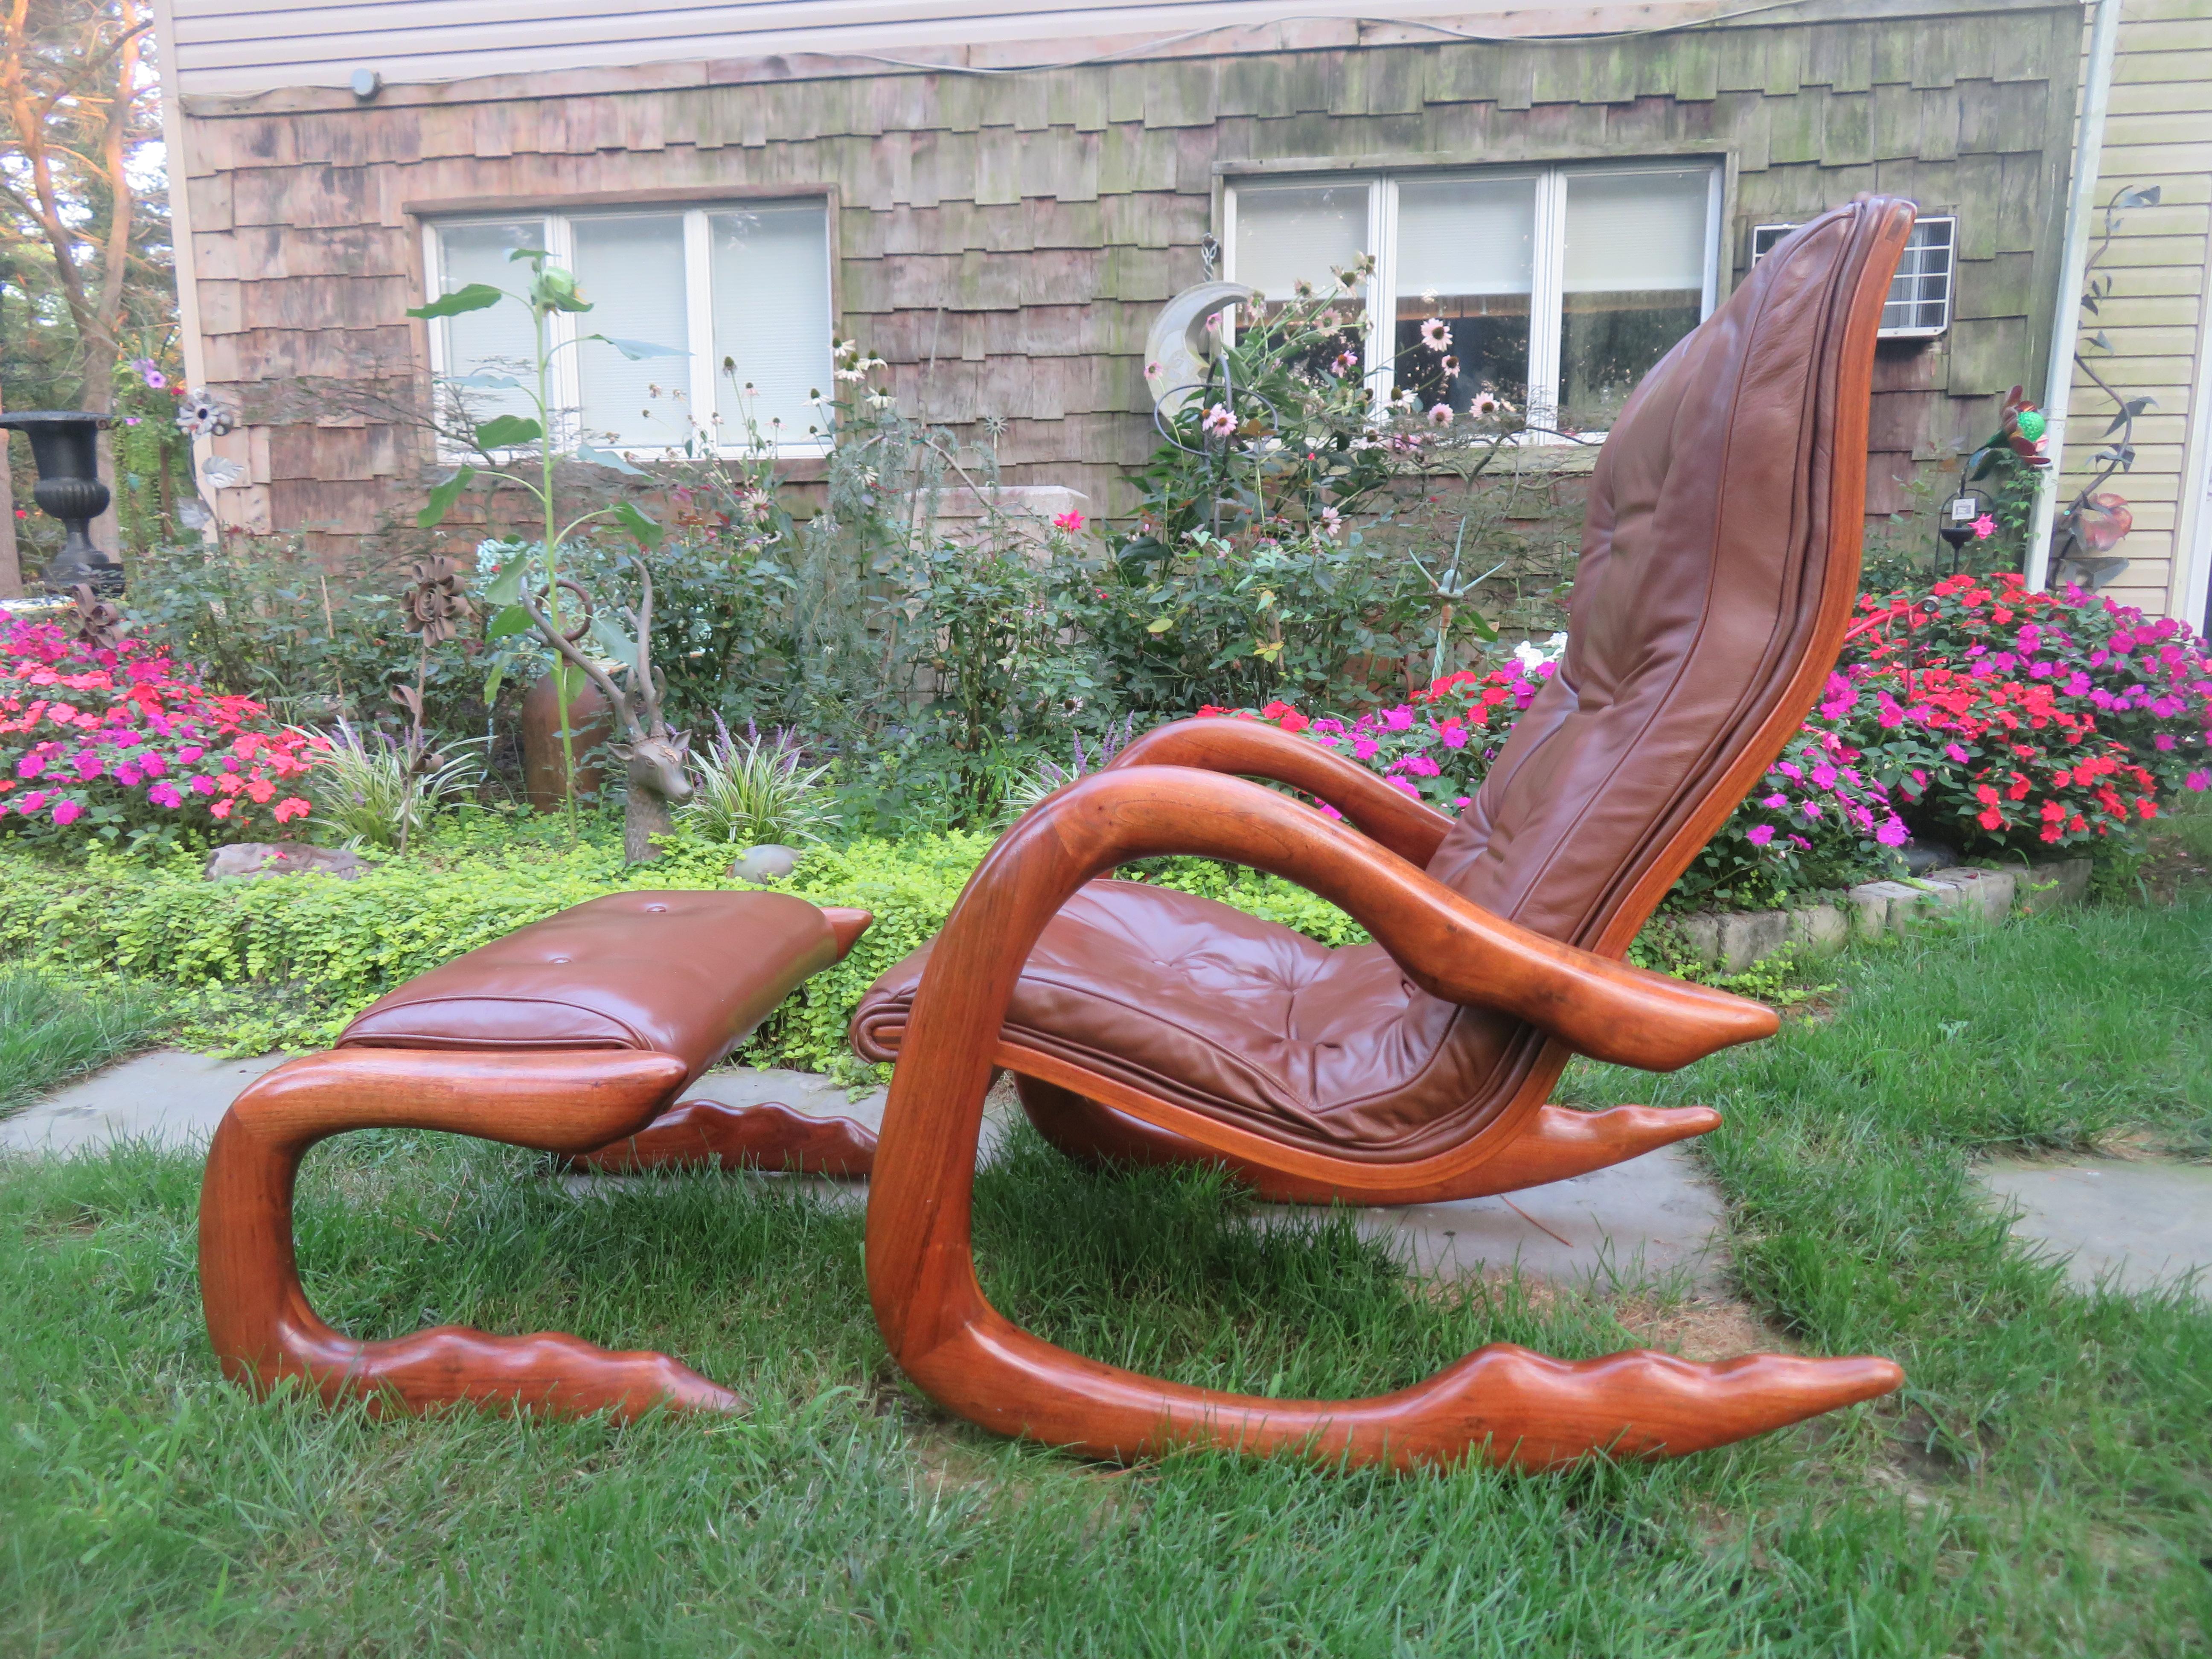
x: 1176, y: 352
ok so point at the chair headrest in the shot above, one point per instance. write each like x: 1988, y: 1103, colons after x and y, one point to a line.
x: 1719, y: 564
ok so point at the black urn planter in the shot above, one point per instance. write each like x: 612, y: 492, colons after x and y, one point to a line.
x: 63, y: 444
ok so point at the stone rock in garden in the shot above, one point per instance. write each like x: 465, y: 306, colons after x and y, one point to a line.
x: 1818, y: 928
x: 766, y: 863
x: 1989, y: 891
x: 1884, y: 905
x: 2058, y: 881
x: 1735, y: 939
x: 255, y: 860
x: 1922, y: 856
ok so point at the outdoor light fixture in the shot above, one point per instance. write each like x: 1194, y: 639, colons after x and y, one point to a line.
x: 1958, y: 521
x: 63, y: 444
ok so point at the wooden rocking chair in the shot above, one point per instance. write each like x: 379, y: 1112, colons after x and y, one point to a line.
x: 1720, y: 559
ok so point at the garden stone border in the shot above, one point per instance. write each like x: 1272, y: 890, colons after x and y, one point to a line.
x: 1733, y: 941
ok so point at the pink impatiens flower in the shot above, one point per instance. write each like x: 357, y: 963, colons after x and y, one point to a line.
x: 1759, y: 834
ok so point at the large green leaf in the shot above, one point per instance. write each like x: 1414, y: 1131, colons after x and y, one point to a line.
x: 634, y: 349
x: 513, y: 620
x: 507, y: 586
x: 442, y: 499
x: 476, y: 296
x: 642, y: 530
x: 506, y: 431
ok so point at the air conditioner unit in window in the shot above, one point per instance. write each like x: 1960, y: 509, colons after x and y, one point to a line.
x: 1919, y: 304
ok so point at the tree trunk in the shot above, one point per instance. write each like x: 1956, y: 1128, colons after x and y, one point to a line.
x: 645, y: 814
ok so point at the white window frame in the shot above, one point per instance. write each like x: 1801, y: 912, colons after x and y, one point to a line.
x: 1548, y: 276
x: 702, y: 370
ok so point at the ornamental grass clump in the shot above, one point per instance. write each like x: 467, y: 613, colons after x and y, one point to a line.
x: 371, y: 789
x: 754, y: 790
x: 121, y: 743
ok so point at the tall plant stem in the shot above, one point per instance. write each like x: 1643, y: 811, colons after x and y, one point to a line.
x: 553, y: 567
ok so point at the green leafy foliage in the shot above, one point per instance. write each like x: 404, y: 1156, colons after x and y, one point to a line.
x: 334, y: 946
x: 476, y: 296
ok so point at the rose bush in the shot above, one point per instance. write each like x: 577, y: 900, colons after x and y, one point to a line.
x: 116, y: 742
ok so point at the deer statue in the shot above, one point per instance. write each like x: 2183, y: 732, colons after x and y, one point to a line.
x: 654, y: 758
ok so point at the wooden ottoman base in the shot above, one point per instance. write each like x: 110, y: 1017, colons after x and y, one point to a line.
x: 258, y: 1317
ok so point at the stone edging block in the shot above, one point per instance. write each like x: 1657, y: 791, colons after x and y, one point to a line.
x: 1733, y: 941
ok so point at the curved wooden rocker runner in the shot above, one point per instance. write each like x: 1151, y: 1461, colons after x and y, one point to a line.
x: 1719, y: 564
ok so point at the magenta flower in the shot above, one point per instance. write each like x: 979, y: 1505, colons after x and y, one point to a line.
x: 1455, y: 736
x: 67, y: 811
x: 1893, y: 834
x: 165, y: 795
x: 1775, y: 802
x: 1759, y: 834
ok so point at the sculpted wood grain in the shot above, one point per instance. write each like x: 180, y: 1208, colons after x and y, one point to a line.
x: 1503, y: 1403
x: 707, y: 1134
x: 262, y: 1326
x: 1253, y: 749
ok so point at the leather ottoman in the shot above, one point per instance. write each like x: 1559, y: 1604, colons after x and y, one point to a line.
x: 574, y: 1035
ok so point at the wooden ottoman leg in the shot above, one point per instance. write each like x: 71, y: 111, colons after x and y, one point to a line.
x: 258, y: 1317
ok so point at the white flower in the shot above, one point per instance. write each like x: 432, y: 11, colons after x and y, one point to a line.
x: 1451, y: 368
x: 1332, y: 522
x: 1532, y: 656
x: 1218, y: 422
x: 1440, y: 415
x: 1435, y: 335
x: 1403, y: 399
x: 848, y: 375
x: 1429, y: 295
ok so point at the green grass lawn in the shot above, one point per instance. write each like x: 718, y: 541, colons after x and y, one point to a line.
x: 2044, y: 1487
x: 50, y: 1032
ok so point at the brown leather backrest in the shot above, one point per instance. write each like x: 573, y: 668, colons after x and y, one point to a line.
x: 1720, y: 558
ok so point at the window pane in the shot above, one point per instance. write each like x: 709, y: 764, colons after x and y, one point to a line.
x: 1286, y: 235
x: 1635, y: 282
x: 1466, y: 254
x: 630, y: 267
x: 500, y: 340
x: 772, y: 320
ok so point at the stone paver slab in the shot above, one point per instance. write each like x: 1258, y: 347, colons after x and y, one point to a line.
x: 170, y: 1097
x: 2138, y: 1226
x: 1653, y: 1219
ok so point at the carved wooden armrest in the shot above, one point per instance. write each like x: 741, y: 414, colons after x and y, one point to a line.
x: 1449, y: 947
x: 1254, y: 749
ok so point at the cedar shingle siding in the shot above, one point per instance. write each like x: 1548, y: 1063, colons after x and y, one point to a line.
x: 1006, y: 243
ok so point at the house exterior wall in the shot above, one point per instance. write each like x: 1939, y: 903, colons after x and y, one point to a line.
x: 1006, y: 243
x: 2159, y: 131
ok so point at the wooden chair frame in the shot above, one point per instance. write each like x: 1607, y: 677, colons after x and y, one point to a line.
x: 1172, y: 793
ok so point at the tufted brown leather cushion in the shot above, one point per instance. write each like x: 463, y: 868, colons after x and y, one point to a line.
x: 682, y: 973
x: 1705, y: 575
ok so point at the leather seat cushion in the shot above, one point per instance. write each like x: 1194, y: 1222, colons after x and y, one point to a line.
x: 1197, y: 1003
x: 680, y: 973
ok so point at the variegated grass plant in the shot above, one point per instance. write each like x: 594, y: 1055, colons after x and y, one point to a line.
x: 757, y: 791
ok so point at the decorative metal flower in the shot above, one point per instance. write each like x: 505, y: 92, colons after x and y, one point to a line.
x: 98, y: 625
x: 201, y: 416
x: 438, y: 602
